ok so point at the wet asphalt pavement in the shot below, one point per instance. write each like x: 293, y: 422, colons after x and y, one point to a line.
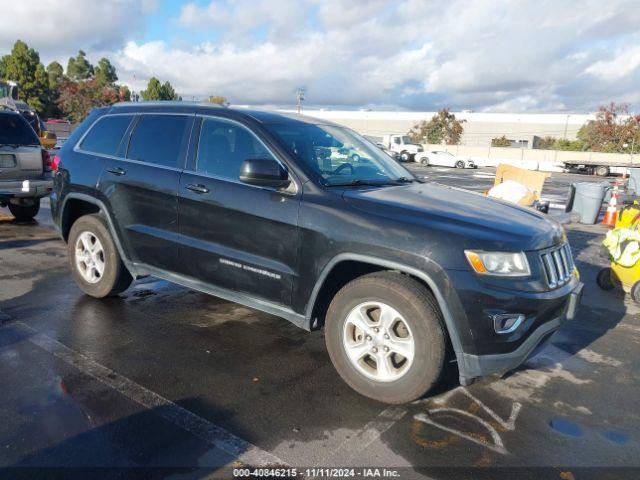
x: 179, y: 384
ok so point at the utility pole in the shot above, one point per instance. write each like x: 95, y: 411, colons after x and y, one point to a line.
x: 300, y: 98
x: 566, y: 125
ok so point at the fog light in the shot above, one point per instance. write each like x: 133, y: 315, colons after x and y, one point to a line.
x: 507, y: 322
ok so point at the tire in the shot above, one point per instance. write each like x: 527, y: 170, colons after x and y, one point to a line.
x: 114, y: 277
x: 602, y: 171
x: 604, y: 279
x: 405, y: 156
x: 635, y: 292
x: 459, y: 164
x: 24, y: 213
x: 417, y: 320
x: 424, y: 161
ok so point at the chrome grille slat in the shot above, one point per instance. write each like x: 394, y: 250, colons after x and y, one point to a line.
x: 557, y: 260
x: 551, y: 271
x: 558, y: 265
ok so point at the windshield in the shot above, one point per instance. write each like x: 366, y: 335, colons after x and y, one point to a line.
x: 14, y: 130
x: 407, y: 140
x: 339, y: 156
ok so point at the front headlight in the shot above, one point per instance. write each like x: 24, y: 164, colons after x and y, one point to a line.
x: 504, y: 264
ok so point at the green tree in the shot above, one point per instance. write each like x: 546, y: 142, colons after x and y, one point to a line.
x: 79, y: 68
x: 23, y: 66
x: 157, y: 91
x: 55, y: 75
x: 442, y: 128
x: 502, y: 141
x: 105, y: 72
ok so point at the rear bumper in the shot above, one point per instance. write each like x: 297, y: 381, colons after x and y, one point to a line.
x: 474, y: 366
x: 27, y: 188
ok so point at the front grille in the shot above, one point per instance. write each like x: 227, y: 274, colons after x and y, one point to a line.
x: 558, y: 265
x: 7, y: 161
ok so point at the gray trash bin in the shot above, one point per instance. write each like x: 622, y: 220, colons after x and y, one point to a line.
x: 588, y: 200
x: 634, y: 181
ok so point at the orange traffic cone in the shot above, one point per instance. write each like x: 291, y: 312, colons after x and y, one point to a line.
x: 611, y: 215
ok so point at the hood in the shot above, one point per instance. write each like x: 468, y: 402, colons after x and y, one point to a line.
x: 486, y: 223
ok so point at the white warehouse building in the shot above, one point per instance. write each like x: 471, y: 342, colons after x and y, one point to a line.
x: 523, y: 129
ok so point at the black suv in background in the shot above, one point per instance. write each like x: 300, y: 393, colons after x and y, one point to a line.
x: 266, y: 210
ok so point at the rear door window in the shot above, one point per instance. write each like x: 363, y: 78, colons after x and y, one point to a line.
x: 14, y: 130
x: 160, y: 139
x: 106, y: 134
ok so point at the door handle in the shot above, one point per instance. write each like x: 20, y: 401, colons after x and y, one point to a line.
x: 197, y: 188
x: 116, y: 171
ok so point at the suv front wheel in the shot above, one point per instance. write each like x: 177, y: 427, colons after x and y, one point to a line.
x: 94, y: 260
x: 385, y: 337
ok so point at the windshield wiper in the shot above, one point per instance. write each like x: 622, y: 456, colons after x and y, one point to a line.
x: 358, y: 182
x: 404, y: 180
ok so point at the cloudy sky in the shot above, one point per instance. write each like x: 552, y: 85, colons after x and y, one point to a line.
x: 486, y: 55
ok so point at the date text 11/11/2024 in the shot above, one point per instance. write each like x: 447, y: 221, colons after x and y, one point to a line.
x: 320, y: 472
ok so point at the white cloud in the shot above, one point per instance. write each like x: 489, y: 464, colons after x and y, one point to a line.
x: 531, y: 55
x: 62, y: 27
x: 625, y: 62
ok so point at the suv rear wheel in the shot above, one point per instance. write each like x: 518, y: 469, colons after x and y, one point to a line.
x: 385, y: 337
x: 94, y: 260
x: 25, y: 211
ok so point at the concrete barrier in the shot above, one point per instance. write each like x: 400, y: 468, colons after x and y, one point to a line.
x: 534, y: 159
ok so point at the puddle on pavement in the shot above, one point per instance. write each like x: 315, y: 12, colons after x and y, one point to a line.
x: 565, y: 427
x: 616, y: 437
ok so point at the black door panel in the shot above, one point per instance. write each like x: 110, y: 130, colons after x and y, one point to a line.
x: 142, y: 190
x: 144, y: 209
x: 234, y: 235
x: 239, y: 237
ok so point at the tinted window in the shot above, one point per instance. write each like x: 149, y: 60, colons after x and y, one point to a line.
x: 159, y: 139
x: 105, y: 136
x: 15, y: 130
x: 223, y: 146
x: 339, y: 155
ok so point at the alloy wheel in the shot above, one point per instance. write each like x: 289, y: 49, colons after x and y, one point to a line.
x: 378, y: 341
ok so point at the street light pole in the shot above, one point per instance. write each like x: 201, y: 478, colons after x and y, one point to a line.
x: 300, y: 98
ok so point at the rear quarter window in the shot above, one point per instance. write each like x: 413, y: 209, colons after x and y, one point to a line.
x: 105, y: 135
x: 15, y: 130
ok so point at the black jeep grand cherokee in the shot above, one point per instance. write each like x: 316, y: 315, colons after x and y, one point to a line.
x: 267, y: 210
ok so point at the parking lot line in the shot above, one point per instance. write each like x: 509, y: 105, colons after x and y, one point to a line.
x: 351, y: 447
x: 218, y: 437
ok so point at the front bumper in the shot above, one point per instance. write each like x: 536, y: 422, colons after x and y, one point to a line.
x: 474, y: 366
x: 27, y: 188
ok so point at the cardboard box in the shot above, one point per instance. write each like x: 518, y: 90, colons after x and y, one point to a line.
x: 534, y: 181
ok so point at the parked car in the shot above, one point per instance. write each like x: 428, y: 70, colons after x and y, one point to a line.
x: 247, y: 205
x: 395, y: 155
x: 403, y: 145
x: 25, y: 167
x: 444, y: 159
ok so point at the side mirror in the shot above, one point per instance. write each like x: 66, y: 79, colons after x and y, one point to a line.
x: 264, y: 173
